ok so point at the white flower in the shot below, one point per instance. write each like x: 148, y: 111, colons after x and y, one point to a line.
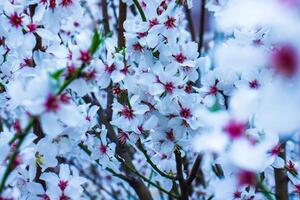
x: 125, y: 116
x: 64, y: 184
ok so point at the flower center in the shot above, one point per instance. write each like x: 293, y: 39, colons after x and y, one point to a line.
x: 254, y: 84
x: 170, y: 135
x: 52, y: 103
x: 103, y: 149
x: 180, y: 58
x: 285, y: 60
x: 52, y: 4
x: 246, y: 178
x: 64, y: 98
x: 110, y: 68
x: 62, y: 184
x: 63, y: 197
x: 235, y: 129
x: 185, y: 113
x: 125, y: 70
x: 169, y: 87
x: 32, y: 27
x: 276, y: 150
x: 85, y: 57
x: 237, y: 195
x: 15, y: 20
x: 66, y: 3
x: 213, y: 90
x: 170, y: 23
x: 153, y: 22
x: 137, y: 47
x: 17, y: 161
x: 127, y: 112
x: 117, y: 90
x: 141, y: 34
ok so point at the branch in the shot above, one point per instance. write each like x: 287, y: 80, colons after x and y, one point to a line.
x: 122, y: 18
x: 266, y: 192
x: 105, y: 16
x: 10, y: 166
x: 122, y: 151
x: 141, y: 148
x: 140, y: 9
x: 202, y: 26
x: 182, y: 182
x: 114, y: 13
x: 37, y: 129
x: 87, y: 151
x: 195, y: 169
x: 21, y: 136
x: 146, y: 179
x: 190, y: 22
x: 281, y: 179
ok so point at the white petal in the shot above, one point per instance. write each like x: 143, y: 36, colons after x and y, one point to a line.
x: 64, y: 172
x: 69, y: 115
x: 50, y: 124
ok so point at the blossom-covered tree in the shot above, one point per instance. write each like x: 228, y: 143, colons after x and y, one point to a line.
x: 125, y: 99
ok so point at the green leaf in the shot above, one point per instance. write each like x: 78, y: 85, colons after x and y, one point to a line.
x: 55, y: 75
x: 156, y: 54
x: 96, y: 41
x: 217, y: 169
x: 211, y: 197
x: 216, y: 107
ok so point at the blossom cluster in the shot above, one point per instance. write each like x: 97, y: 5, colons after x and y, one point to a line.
x: 120, y: 100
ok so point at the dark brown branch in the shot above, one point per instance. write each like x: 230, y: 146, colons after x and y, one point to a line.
x: 37, y: 129
x: 186, y: 184
x: 105, y: 16
x: 122, y: 18
x: 32, y: 10
x: 92, y: 177
x: 201, y: 36
x: 202, y: 26
x: 112, y: 5
x: 110, y: 98
x: 190, y: 22
x: 124, y: 152
x: 195, y: 169
x: 182, y: 183
x: 281, y: 179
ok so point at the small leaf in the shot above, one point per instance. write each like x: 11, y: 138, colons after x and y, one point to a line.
x: 97, y: 40
x: 55, y: 75
x: 216, y: 107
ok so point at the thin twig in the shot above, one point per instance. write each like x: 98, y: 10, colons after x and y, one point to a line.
x: 266, y: 192
x: 145, y: 178
x: 143, y: 150
x: 10, y: 166
x: 195, y: 169
x: 140, y: 9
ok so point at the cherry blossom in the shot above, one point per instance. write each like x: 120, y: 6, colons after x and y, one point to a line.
x: 149, y: 99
